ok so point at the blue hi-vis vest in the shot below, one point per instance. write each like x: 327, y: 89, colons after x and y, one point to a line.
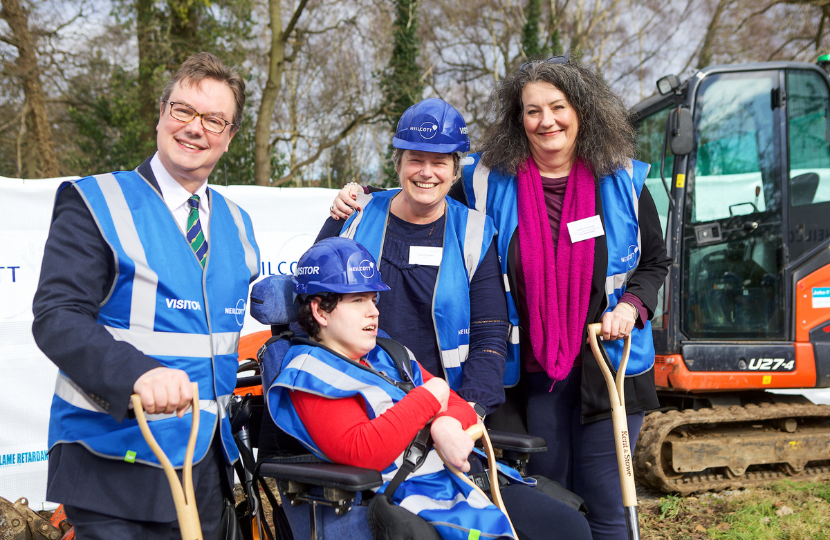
x: 455, y: 509
x: 497, y: 195
x: 167, y: 307
x: 467, y: 237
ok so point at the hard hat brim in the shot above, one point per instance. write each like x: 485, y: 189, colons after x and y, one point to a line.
x: 446, y: 148
x: 345, y: 289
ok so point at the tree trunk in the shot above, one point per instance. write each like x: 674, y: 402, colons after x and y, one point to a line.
x: 276, y: 66
x: 149, y: 108
x: 293, y: 118
x: 18, y: 20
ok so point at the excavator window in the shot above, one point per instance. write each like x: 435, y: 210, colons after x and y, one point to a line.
x: 808, y: 101
x: 733, y: 281
x: 651, y: 131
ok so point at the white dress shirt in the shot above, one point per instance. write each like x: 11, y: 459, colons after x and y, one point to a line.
x: 175, y: 197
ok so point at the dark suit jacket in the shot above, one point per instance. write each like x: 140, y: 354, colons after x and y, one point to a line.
x: 76, y: 276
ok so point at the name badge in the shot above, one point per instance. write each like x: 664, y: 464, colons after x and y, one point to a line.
x: 425, y: 256
x: 584, y: 229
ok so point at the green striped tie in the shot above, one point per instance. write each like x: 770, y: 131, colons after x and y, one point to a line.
x: 195, y: 236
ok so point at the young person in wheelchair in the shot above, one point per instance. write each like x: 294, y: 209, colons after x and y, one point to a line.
x: 349, y: 401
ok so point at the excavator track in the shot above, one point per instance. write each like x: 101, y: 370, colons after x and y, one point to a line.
x: 692, y: 451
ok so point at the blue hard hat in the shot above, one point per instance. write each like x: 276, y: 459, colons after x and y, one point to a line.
x: 337, y: 265
x: 433, y: 125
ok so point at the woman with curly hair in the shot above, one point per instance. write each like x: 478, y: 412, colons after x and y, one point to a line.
x: 579, y: 242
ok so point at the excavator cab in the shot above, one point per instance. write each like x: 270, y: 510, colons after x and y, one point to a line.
x: 741, y: 179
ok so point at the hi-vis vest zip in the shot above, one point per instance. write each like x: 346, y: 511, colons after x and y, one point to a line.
x: 461, y: 258
x: 431, y: 492
x: 497, y: 195
x: 167, y: 307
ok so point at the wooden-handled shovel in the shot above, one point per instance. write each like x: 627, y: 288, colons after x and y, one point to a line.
x: 616, y: 394
x: 183, y: 498
x: 478, y: 431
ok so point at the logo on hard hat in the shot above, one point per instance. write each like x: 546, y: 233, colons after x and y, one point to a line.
x: 366, y: 268
x: 425, y: 126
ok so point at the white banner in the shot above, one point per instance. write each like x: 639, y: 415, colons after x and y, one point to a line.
x: 286, y: 222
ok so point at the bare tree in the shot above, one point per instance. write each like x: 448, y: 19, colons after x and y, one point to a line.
x: 755, y: 31
x: 273, y: 85
x: 27, y: 72
x: 319, y: 88
x: 315, y: 65
x: 471, y: 45
x: 704, y: 56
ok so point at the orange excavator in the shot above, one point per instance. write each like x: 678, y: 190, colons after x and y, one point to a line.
x: 741, y: 179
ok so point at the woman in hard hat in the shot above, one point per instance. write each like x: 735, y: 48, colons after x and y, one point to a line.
x: 347, y: 400
x: 447, y: 302
x: 579, y: 242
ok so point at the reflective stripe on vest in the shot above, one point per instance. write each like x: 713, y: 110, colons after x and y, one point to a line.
x: 497, y: 199
x: 314, y: 370
x: 176, y: 344
x: 69, y: 392
x: 160, y: 286
x: 145, y: 283
x: 497, y: 195
x: 251, y: 255
x: 450, y: 302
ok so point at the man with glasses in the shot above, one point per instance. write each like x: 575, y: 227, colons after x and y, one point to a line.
x: 143, y: 276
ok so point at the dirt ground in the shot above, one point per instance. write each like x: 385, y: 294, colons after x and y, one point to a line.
x: 712, y: 515
x: 688, y: 518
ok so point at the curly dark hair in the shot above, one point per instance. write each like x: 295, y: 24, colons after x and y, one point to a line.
x: 306, y: 318
x: 605, y: 138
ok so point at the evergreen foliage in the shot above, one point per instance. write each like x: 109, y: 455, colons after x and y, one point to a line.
x: 401, y: 83
x: 532, y: 43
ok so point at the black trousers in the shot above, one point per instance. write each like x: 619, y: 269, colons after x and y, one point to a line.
x: 535, y: 515
x: 213, y: 488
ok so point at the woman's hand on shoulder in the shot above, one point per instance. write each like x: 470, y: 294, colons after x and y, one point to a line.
x: 345, y: 202
x: 452, y: 441
x: 618, y: 323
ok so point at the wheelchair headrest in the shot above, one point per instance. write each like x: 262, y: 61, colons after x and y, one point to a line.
x: 272, y: 301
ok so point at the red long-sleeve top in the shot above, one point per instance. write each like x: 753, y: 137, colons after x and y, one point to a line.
x: 342, y: 430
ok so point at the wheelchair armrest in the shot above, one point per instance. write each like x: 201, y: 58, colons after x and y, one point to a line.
x: 517, y: 442
x: 333, y: 475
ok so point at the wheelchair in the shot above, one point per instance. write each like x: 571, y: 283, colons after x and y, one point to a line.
x: 321, y: 500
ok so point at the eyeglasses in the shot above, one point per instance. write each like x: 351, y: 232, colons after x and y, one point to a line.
x: 186, y: 114
x: 552, y: 60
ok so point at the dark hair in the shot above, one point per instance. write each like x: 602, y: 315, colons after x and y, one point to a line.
x: 397, y: 157
x: 202, y: 66
x: 306, y: 318
x: 605, y: 138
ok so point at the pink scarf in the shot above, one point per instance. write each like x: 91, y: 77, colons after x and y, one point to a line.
x: 557, y: 283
